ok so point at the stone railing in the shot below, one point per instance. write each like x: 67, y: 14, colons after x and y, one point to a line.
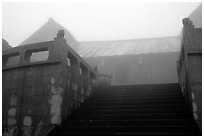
x: 42, y: 84
x: 190, y: 68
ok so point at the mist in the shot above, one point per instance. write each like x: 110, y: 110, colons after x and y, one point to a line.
x: 91, y: 21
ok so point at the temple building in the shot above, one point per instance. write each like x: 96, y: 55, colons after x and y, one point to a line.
x: 135, y: 61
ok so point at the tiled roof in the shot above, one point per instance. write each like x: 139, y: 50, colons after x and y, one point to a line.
x: 105, y: 48
x: 128, y: 47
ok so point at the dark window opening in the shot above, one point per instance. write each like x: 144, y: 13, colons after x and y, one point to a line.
x: 72, y: 61
x: 83, y: 70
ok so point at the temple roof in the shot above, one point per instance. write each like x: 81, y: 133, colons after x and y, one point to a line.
x: 129, y: 47
x: 105, y: 48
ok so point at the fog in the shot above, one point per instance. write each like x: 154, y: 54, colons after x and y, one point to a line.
x: 91, y: 21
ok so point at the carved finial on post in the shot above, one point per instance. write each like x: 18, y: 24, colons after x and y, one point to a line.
x: 187, y: 22
x: 60, y: 34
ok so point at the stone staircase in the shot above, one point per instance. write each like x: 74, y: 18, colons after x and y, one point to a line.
x: 140, y: 110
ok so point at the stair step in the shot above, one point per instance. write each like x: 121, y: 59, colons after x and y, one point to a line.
x: 149, y: 122
x: 140, y: 86
x: 128, y: 116
x: 128, y: 102
x: 129, y: 111
x: 129, y: 97
x: 128, y: 89
x: 136, y: 96
x: 141, y: 92
x: 141, y: 106
x: 124, y: 134
x: 126, y: 129
x: 143, y: 95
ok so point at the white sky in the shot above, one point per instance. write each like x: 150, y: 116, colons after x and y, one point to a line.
x: 91, y: 21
